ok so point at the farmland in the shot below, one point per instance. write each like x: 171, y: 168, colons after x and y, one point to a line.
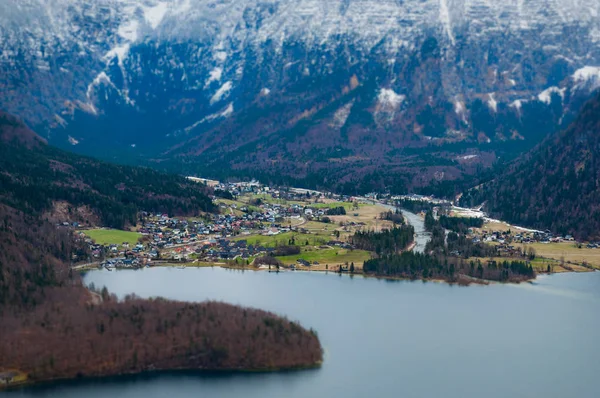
x: 112, y: 236
x: 334, y: 256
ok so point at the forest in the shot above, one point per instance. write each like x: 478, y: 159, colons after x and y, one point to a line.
x: 426, y: 266
x: 445, y: 257
x: 52, y: 327
x: 336, y: 211
x: 394, y: 216
x: 460, y: 224
x: 456, y: 244
x: 385, y: 242
x: 556, y: 186
x: 414, y: 206
x: 34, y: 180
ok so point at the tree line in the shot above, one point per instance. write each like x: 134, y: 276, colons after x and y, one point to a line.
x: 394, y: 216
x: 556, y: 186
x: 385, y: 242
x: 456, y: 244
x: 336, y: 211
x: 461, y: 224
x: 32, y: 180
x: 52, y: 327
x: 412, y: 265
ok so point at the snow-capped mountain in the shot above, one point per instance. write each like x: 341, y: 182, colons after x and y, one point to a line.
x: 356, y: 76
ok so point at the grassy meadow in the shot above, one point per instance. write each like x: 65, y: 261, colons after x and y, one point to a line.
x: 112, y: 236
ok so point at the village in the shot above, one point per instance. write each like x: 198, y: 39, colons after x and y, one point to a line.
x: 304, y: 229
x: 259, y: 222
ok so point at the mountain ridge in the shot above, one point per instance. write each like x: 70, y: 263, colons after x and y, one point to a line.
x: 172, y: 80
x: 556, y: 186
x: 58, y: 186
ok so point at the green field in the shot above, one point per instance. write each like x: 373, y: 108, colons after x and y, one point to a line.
x: 269, y: 199
x: 329, y: 256
x: 349, y: 206
x: 284, y: 239
x: 112, y: 236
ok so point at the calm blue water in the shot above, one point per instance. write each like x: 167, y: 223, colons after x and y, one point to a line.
x: 387, y: 339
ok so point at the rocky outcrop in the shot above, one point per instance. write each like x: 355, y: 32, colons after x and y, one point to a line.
x: 361, y: 78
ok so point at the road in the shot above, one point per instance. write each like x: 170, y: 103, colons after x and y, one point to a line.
x: 84, y: 266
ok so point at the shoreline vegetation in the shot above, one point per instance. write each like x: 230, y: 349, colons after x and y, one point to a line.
x: 53, y: 328
x: 253, y: 341
x: 26, y: 384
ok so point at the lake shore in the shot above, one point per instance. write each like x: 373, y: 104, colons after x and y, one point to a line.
x: 27, y: 383
x: 462, y: 280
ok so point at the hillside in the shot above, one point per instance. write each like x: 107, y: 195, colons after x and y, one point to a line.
x: 53, y: 328
x: 364, y: 94
x: 556, y: 186
x: 62, y: 187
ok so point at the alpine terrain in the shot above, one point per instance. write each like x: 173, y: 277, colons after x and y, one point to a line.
x: 358, y: 94
x: 555, y: 186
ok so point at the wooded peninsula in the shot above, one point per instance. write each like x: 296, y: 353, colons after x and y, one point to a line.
x: 53, y: 328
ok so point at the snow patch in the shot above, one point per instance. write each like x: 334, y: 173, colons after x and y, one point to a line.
x: 341, y: 115
x: 546, y: 95
x: 517, y: 104
x: 459, y: 107
x: 445, y: 20
x: 588, y: 75
x: 228, y: 111
x: 468, y: 157
x: 154, y: 15
x: 101, y: 78
x: 129, y: 31
x: 214, y: 76
x: 492, y: 103
x: 225, y: 113
x: 120, y: 52
x: 221, y: 93
x: 220, y: 56
x: 390, y: 97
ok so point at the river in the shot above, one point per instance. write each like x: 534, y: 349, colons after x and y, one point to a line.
x: 421, y: 235
x: 385, y: 338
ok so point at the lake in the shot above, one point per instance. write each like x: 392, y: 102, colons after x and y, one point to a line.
x: 384, y: 338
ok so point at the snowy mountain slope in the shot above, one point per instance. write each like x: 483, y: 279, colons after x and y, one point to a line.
x: 209, y: 76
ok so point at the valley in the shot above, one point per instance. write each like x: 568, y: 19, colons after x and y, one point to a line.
x: 299, y: 198
x: 377, y: 95
x: 277, y: 228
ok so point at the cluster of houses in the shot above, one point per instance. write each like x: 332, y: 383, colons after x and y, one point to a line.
x: 214, y: 237
x: 285, y: 193
x: 124, y: 263
x: 176, y: 239
x: 523, y: 237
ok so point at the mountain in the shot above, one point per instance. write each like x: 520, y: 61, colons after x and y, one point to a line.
x: 54, y: 328
x: 556, y: 186
x: 405, y: 92
x: 49, y: 183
